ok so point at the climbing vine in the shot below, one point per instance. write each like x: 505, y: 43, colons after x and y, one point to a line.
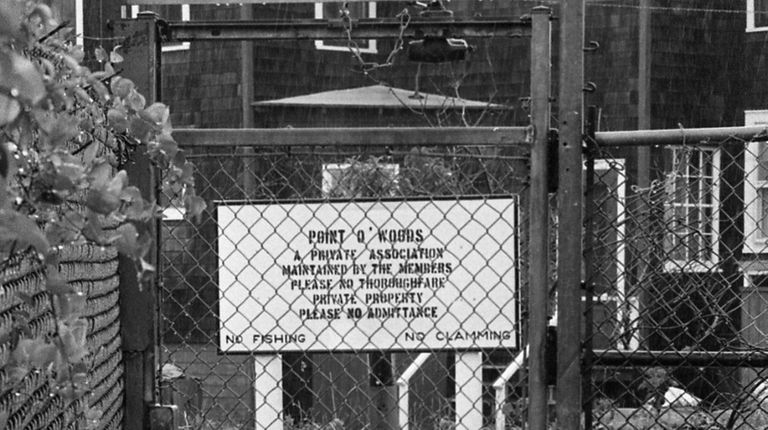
x: 66, y: 133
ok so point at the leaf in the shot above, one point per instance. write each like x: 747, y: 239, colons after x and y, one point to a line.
x: 194, y: 206
x: 63, y: 128
x: 60, y: 233
x: 101, y: 90
x: 18, y: 227
x: 23, y: 352
x: 55, y: 284
x: 118, y: 182
x: 77, y: 52
x: 167, y: 147
x: 135, y: 101
x: 9, y: 109
x: 101, y: 174
x: 73, y: 339
x: 121, y: 87
x: 140, y: 129
x: 91, y: 151
x: 92, y: 230
x: 114, y: 57
x: 77, y: 302
x: 118, y: 120
x: 21, y: 77
x: 157, y: 113
x: 44, y: 355
x: 11, y: 17
x: 101, y: 54
x: 82, y: 96
x: 127, y: 243
x: 145, y: 266
x: 102, y: 200
x: 68, y: 166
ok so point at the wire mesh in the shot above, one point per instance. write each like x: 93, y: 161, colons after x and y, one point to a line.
x: 278, y: 265
x: 675, y: 296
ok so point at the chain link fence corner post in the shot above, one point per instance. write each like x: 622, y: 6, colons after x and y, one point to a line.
x: 138, y: 305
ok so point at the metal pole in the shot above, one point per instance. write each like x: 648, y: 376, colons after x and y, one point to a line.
x: 246, y: 84
x: 139, y: 306
x: 376, y: 28
x: 538, y: 288
x: 570, y: 196
x: 589, y: 263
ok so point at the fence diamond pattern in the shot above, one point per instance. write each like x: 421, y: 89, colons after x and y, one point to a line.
x: 675, y: 297
x: 354, y: 264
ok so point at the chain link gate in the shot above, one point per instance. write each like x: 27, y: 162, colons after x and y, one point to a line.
x: 674, y: 271
x: 430, y: 319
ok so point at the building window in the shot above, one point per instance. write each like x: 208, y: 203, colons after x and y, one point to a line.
x: 756, y: 187
x: 757, y: 15
x: 168, y: 13
x: 691, y: 210
x: 357, y: 10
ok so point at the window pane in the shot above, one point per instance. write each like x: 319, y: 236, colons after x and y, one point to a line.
x: 691, y: 214
x: 761, y: 13
x: 357, y: 10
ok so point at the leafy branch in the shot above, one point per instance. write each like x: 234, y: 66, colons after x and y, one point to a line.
x: 65, y: 134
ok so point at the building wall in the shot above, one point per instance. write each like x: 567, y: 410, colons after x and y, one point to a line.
x: 697, y: 62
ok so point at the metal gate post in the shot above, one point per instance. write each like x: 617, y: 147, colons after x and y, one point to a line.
x: 538, y: 288
x: 138, y: 306
x: 570, y: 196
x: 590, y: 211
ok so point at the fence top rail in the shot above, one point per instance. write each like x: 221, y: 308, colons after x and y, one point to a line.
x: 712, y: 136
x: 613, y: 357
x: 370, y: 137
x: 310, y: 29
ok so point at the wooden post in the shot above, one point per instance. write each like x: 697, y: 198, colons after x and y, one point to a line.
x: 570, y: 203
x: 538, y: 294
x: 469, y: 390
x: 268, y: 391
x: 138, y: 303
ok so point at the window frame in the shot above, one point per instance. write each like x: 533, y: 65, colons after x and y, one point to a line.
x: 370, y: 49
x: 754, y: 241
x: 694, y: 265
x: 627, y: 306
x: 185, y: 17
x: 79, y: 23
x: 751, y: 12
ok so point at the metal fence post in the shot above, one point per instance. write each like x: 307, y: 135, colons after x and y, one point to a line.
x: 590, y: 212
x: 570, y: 203
x: 541, y: 84
x: 138, y: 306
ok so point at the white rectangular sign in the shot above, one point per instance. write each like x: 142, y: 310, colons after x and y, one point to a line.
x: 360, y: 276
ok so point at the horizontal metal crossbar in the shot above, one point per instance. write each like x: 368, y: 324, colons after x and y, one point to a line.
x: 334, y: 29
x: 712, y: 136
x: 751, y: 358
x: 259, y: 2
x: 374, y: 136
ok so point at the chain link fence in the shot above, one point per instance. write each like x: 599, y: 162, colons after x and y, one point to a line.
x: 356, y: 286
x: 675, y: 287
